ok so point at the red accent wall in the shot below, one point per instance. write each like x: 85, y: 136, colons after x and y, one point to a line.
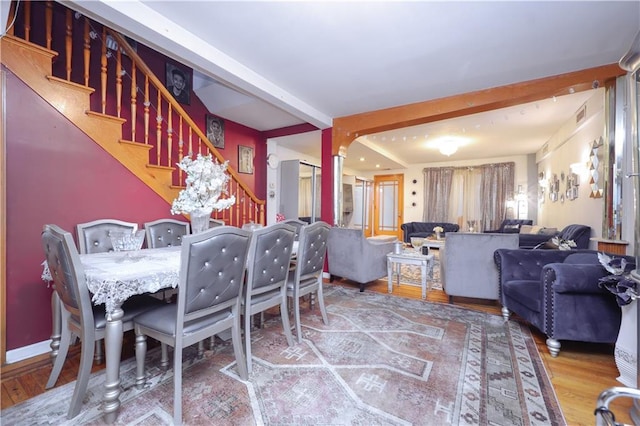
x: 57, y: 174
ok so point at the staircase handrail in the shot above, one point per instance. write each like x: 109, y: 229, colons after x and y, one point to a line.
x: 144, y: 68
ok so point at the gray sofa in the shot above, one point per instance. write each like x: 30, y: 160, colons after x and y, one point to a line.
x: 425, y: 229
x: 352, y: 256
x: 467, y: 268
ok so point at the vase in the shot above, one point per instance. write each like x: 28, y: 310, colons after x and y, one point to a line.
x: 199, y: 220
x: 625, y: 353
x: 438, y: 236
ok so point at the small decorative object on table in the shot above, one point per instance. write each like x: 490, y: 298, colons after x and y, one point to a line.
x: 205, y: 184
x: 127, y: 240
x: 438, y: 230
x: 416, y: 242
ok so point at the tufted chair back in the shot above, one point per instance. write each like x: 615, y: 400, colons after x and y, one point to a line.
x: 93, y: 237
x: 297, y: 224
x: 166, y: 232
x: 67, y: 274
x: 267, y: 271
x: 212, y: 272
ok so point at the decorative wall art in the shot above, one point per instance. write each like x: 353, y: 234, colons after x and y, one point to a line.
x: 554, y: 187
x: 595, y: 161
x: 215, y: 130
x: 573, y: 183
x: 245, y: 159
x: 178, y: 82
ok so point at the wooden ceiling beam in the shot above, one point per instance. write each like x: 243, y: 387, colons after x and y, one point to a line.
x: 346, y: 129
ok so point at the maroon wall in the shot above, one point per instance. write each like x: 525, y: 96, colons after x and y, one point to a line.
x: 57, y: 174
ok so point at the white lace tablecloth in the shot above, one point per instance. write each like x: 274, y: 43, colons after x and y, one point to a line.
x: 114, y: 277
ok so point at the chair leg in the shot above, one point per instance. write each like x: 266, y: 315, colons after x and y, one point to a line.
x: 84, y: 372
x: 247, y: 339
x: 65, y: 341
x: 99, y: 356
x: 285, y: 320
x: 236, y: 340
x: 323, y: 310
x: 164, y: 357
x: 200, y: 349
x: 554, y: 347
x: 505, y: 313
x: 296, y: 314
x: 141, y: 353
x: 177, y: 385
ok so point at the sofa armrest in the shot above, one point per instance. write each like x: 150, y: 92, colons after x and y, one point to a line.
x: 574, y: 278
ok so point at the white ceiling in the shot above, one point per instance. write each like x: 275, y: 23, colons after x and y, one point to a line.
x: 273, y: 64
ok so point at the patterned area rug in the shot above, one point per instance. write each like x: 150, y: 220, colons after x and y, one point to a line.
x: 383, y: 360
x: 410, y: 274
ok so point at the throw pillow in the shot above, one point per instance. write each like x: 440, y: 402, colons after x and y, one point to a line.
x: 582, y: 258
x: 535, y: 229
x: 511, y: 229
x: 548, y: 231
x: 526, y: 229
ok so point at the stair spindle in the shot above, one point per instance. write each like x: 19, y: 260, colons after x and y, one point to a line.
x: 68, y: 42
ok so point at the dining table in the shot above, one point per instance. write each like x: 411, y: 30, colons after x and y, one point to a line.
x: 112, y: 278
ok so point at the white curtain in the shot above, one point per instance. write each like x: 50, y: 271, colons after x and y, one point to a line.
x: 464, y: 202
x: 464, y: 194
x: 305, y: 195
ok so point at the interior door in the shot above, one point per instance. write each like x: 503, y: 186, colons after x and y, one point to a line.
x: 388, y: 200
x: 363, y: 205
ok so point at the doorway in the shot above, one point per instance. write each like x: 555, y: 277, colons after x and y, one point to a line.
x: 388, y: 202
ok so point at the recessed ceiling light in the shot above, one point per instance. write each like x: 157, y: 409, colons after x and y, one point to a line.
x: 361, y: 158
x: 378, y: 166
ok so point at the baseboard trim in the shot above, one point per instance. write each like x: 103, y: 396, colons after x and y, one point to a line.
x: 30, y: 351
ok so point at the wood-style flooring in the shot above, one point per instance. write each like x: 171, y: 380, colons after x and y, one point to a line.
x: 578, y: 374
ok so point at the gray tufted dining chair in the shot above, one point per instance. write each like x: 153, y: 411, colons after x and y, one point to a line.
x: 166, y: 232
x: 212, y: 272
x: 306, y: 277
x: 267, y: 271
x: 79, y: 316
x: 296, y: 223
x: 94, y: 237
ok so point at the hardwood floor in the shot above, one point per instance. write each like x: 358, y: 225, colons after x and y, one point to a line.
x: 578, y: 374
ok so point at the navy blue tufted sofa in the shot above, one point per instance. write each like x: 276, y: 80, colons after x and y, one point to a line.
x: 425, y: 229
x: 557, y: 292
x: 580, y: 234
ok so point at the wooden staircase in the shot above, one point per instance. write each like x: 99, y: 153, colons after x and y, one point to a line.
x: 160, y: 131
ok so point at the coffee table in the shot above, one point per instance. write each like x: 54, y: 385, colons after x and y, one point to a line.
x: 410, y: 257
x: 437, y: 244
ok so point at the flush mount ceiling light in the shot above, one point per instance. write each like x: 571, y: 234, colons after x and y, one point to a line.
x: 448, y: 145
x: 449, y: 149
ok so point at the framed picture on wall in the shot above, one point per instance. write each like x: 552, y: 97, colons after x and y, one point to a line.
x: 245, y: 159
x: 215, y: 130
x: 178, y: 81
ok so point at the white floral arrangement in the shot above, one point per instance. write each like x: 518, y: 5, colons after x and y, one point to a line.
x: 438, y: 229
x: 563, y: 244
x: 205, y: 183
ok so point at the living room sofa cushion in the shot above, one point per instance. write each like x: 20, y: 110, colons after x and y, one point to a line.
x: 425, y: 229
x: 511, y: 226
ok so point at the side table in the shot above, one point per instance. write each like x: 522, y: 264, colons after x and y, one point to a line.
x: 410, y: 257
